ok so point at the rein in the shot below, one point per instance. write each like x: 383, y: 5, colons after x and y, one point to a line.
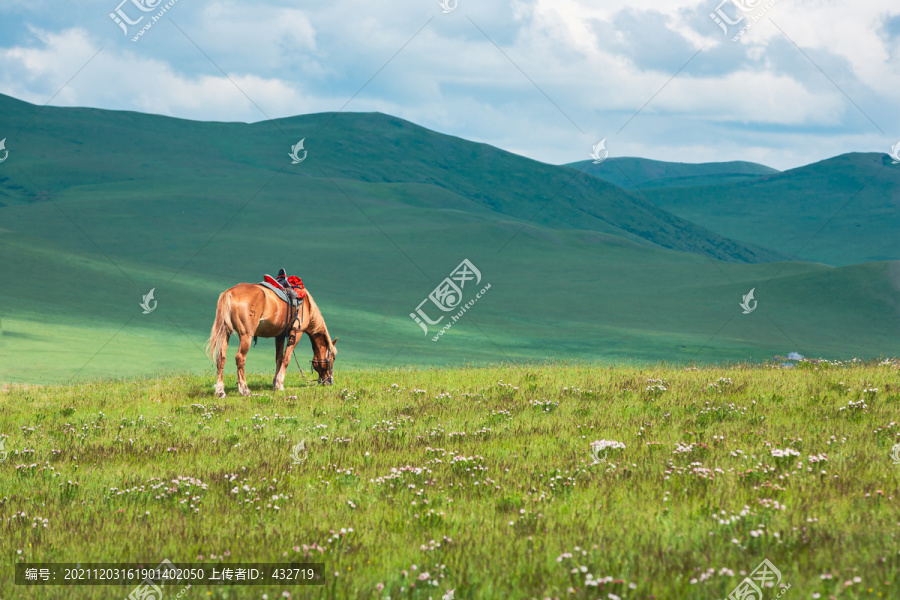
x: 296, y: 319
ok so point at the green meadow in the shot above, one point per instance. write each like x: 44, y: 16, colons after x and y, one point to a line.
x: 478, y: 480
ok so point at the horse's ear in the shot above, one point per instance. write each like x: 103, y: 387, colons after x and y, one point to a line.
x: 334, y: 341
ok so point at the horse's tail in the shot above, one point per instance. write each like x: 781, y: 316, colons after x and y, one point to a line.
x: 222, y: 326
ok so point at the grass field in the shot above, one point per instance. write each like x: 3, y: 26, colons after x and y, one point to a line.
x: 417, y: 482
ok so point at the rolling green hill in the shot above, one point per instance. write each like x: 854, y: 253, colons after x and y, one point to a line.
x: 99, y: 207
x: 840, y: 211
x: 63, y: 152
x: 633, y: 173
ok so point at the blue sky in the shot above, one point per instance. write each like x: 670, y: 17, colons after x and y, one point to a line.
x: 543, y: 78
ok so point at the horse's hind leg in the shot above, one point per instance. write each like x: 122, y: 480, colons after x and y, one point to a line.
x: 241, y: 359
x: 278, y: 381
x: 220, y: 366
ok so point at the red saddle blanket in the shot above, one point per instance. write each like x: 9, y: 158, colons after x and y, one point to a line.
x: 294, y: 281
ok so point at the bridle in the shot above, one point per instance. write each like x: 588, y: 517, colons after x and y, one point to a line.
x: 328, y: 362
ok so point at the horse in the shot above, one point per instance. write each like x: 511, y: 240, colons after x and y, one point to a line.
x: 253, y: 310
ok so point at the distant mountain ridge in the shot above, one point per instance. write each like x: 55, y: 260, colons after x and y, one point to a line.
x: 632, y: 173
x: 364, y: 147
x: 839, y: 211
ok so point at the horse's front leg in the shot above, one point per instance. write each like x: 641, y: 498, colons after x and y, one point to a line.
x: 278, y: 380
x: 285, y: 362
x: 241, y: 359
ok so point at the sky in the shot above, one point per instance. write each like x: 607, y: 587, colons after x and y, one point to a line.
x: 547, y: 79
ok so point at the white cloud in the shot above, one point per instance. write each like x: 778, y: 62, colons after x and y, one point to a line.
x: 294, y: 59
x: 250, y: 38
x: 126, y: 80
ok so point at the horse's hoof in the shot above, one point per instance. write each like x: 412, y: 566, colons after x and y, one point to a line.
x: 245, y: 392
x: 220, y: 394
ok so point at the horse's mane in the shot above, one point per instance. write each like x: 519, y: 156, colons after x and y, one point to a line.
x: 317, y: 323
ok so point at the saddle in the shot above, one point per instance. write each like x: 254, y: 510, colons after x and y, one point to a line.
x: 287, y: 288
x: 291, y: 291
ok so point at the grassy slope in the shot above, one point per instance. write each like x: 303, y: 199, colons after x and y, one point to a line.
x: 158, y: 214
x: 649, y: 516
x: 674, y: 306
x: 840, y: 211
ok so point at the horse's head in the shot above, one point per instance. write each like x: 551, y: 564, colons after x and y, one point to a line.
x: 323, y: 362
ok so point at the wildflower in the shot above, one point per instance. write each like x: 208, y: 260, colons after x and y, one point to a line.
x: 601, y: 444
x: 786, y: 453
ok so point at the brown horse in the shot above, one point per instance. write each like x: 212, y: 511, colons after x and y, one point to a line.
x: 251, y: 309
